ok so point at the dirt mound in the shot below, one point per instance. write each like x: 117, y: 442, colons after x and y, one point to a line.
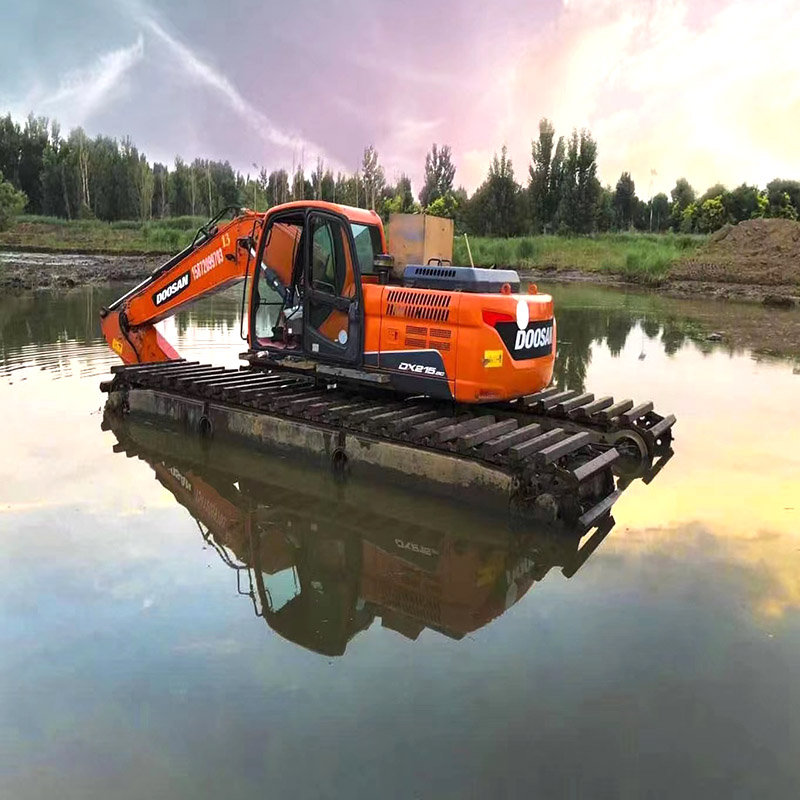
x: 762, y: 251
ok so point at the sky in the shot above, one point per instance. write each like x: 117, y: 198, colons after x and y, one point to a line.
x: 706, y: 89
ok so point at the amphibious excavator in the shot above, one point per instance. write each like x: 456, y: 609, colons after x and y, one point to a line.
x: 445, y: 360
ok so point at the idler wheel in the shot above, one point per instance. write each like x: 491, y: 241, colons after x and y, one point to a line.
x: 633, y: 450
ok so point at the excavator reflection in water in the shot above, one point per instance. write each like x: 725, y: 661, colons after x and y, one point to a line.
x: 321, y: 560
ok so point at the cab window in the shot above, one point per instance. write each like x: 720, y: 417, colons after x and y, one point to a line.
x: 368, y: 243
x: 324, y: 258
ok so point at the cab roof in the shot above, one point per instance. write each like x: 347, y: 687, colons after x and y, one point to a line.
x: 360, y: 215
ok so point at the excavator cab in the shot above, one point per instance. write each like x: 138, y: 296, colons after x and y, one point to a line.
x: 306, y: 296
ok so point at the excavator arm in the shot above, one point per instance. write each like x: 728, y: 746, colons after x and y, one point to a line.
x: 219, y: 255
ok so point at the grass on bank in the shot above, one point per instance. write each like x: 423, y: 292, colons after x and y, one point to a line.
x: 640, y: 257
x: 91, y: 235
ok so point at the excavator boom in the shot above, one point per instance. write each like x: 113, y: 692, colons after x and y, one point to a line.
x: 220, y: 255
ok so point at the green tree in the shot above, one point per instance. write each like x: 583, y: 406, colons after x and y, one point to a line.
x: 683, y: 195
x: 606, y: 215
x: 57, y: 177
x: 786, y: 209
x: 145, y: 186
x: 494, y: 209
x: 180, y: 201
x: 712, y: 215
x: 578, y: 185
x: 688, y: 218
x: 717, y: 190
x: 316, y: 179
x: 10, y: 147
x: 277, y: 187
x: 226, y: 187
x: 161, y: 178
x: 400, y: 199
x: 659, y: 213
x: 301, y: 186
x: 328, y: 186
x: 641, y: 214
x: 587, y: 185
x: 402, y: 189
x: 742, y: 203
x: 33, y: 144
x: 444, y: 206
x: 349, y: 189
x: 558, y: 172
x: 439, y: 174
x: 777, y: 192
x: 12, y: 202
x: 567, y: 212
x: 625, y: 201
x: 373, y: 176
x: 539, y: 187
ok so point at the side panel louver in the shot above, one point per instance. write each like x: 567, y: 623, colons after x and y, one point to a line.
x: 422, y: 305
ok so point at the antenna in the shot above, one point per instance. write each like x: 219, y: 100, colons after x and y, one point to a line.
x: 469, y: 251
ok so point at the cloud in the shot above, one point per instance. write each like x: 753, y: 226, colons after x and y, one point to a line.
x: 84, y: 91
x: 709, y: 90
x: 204, y: 73
x: 406, y: 139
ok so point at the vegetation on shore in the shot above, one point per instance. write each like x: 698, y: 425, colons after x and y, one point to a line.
x: 12, y: 202
x: 644, y: 258
x: 638, y: 257
x: 96, y: 236
x: 558, y: 192
x: 103, y: 196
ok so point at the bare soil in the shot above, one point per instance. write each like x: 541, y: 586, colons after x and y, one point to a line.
x: 19, y: 271
x: 756, y: 261
x: 763, y: 252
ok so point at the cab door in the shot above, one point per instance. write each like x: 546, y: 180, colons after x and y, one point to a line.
x: 333, y: 326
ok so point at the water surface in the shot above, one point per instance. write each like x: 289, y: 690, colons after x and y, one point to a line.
x: 274, y: 633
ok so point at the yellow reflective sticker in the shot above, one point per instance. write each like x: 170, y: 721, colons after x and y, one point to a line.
x: 116, y: 346
x: 492, y: 358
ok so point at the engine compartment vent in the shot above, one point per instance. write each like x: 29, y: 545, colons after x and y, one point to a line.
x: 460, y: 279
x: 418, y: 305
x: 421, y: 338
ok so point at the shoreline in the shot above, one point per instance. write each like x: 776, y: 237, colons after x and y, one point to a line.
x: 26, y: 269
x: 778, y: 295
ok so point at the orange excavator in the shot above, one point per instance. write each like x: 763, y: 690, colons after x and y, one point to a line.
x: 451, y: 362
x: 322, y: 290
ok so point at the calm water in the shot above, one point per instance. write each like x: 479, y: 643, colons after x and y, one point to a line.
x: 194, y: 625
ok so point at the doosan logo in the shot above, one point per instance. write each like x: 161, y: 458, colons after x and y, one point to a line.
x: 534, y: 337
x: 175, y: 288
x: 527, y: 338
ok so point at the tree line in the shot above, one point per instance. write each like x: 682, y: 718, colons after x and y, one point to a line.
x: 77, y: 177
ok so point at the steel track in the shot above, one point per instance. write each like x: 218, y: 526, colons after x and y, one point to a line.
x: 564, y: 449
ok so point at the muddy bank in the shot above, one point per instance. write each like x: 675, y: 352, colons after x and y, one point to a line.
x: 778, y: 295
x: 28, y: 270
x: 23, y: 270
